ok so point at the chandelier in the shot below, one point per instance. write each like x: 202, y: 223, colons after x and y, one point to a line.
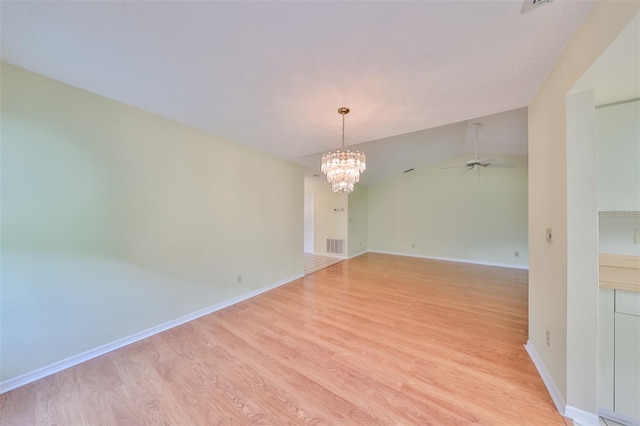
x: 343, y: 167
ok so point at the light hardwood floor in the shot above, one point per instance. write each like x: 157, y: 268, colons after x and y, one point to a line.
x: 377, y: 339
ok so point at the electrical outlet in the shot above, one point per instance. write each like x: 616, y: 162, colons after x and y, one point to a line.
x: 636, y: 236
x: 413, y: 246
x: 548, y: 338
x: 239, y: 278
x: 516, y: 254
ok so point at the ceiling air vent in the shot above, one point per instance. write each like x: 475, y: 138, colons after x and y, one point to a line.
x: 533, y: 4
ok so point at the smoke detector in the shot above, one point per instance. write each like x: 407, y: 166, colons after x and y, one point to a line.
x: 533, y: 4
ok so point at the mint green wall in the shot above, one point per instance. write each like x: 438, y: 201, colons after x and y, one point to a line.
x: 358, y: 222
x: 84, y: 177
x: 444, y: 213
x: 618, y: 162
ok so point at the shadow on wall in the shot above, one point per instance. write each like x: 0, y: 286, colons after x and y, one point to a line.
x: 57, y: 305
x: 115, y: 220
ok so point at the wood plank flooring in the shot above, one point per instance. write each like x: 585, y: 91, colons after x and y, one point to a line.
x: 378, y: 339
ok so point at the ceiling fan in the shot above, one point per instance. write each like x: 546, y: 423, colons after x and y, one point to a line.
x: 478, y: 162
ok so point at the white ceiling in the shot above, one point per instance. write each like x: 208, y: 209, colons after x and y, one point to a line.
x: 272, y: 74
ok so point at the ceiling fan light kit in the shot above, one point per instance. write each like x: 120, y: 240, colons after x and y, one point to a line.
x: 343, y: 167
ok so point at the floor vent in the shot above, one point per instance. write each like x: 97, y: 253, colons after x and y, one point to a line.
x: 335, y: 246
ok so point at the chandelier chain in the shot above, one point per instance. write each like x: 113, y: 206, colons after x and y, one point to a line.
x: 343, y: 130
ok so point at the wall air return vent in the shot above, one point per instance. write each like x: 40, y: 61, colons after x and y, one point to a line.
x: 533, y: 4
x: 335, y: 246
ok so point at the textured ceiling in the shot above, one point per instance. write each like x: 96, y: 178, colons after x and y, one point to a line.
x: 272, y: 74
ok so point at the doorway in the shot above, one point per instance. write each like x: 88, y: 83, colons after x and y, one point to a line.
x: 309, y: 220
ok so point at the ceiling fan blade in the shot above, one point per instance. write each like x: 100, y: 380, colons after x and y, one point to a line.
x: 501, y: 165
x: 453, y: 167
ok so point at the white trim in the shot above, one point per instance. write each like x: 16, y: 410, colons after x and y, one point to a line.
x: 38, y: 374
x: 337, y: 256
x: 358, y: 254
x: 555, y: 393
x: 451, y: 259
x: 581, y: 417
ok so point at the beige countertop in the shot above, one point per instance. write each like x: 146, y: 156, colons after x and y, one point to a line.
x: 620, y: 272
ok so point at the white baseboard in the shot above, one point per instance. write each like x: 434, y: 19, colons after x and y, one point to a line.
x: 450, y: 259
x: 337, y: 256
x: 552, y: 388
x: 581, y: 417
x: 38, y: 374
x: 358, y: 254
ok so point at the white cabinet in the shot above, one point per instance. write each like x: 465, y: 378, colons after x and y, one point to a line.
x: 606, y: 344
x: 626, y: 399
x: 619, y: 355
x: 618, y: 159
x: 628, y: 302
x: 627, y: 367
